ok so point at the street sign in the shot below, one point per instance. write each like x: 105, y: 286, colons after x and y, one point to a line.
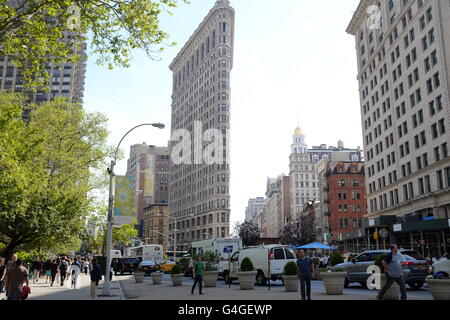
x: 123, y: 220
x: 228, y: 249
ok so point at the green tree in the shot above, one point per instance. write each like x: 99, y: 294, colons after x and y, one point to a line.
x: 248, y: 232
x: 47, y: 170
x: 31, y: 31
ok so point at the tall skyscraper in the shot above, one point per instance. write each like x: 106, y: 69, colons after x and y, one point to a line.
x: 65, y: 80
x: 403, y: 50
x: 199, y: 193
x: 304, y: 177
x: 150, y: 167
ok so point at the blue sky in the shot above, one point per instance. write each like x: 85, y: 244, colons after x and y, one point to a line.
x: 293, y: 62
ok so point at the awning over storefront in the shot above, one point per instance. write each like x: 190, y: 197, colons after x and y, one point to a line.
x: 414, y: 226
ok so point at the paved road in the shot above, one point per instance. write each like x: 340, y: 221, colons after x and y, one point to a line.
x: 166, y: 291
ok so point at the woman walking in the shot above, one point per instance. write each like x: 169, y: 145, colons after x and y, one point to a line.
x: 75, y: 270
x: 47, y: 271
x: 53, y: 271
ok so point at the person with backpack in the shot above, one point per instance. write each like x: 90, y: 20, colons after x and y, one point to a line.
x: 63, y: 270
x: 15, y: 277
x: 96, y: 276
x: 393, y: 268
x: 305, y: 273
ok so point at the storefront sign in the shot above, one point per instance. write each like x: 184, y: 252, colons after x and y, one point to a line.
x: 371, y: 222
x: 397, y: 227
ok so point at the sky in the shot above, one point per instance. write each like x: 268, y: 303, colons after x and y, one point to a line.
x: 294, y: 64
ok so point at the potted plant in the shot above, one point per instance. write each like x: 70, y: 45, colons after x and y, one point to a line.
x: 157, y: 277
x: 247, y: 275
x: 334, y: 278
x: 290, y: 277
x: 139, y: 275
x: 393, y: 292
x: 177, y: 275
x: 439, y: 285
x: 211, y: 271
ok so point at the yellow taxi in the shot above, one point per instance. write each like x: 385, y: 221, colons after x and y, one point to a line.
x: 167, y: 266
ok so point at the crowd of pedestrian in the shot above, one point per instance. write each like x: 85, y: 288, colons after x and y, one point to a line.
x: 15, y: 277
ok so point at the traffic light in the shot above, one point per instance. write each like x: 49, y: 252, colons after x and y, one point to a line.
x: 375, y: 235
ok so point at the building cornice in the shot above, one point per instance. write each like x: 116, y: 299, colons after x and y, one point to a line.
x: 219, y: 5
x: 358, y: 15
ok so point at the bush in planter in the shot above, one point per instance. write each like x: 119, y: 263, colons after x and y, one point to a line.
x: 290, y: 269
x: 247, y: 265
x: 211, y: 260
x: 176, y: 270
x: 336, y: 259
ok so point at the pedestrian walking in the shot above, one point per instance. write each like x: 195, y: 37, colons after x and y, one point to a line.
x: 53, y: 271
x: 75, y: 270
x: 86, y: 266
x: 63, y: 267
x: 305, y: 273
x: 47, y: 271
x: 36, y: 268
x: 90, y: 266
x: 393, y: 269
x: 2, y: 273
x: 96, y: 276
x: 197, y: 271
x: 15, y: 278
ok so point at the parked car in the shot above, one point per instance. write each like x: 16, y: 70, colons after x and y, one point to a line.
x: 148, y: 267
x: 275, y: 256
x: 128, y: 265
x: 166, y: 266
x: 414, y: 271
x: 442, y: 265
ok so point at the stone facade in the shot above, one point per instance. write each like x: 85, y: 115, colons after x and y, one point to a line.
x: 199, y: 199
x: 403, y: 74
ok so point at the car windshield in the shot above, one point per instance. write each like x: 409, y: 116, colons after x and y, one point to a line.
x: 130, y: 260
x: 147, y: 263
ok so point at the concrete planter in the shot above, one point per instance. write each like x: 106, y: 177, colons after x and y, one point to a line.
x: 394, y: 291
x: 290, y: 283
x: 210, y: 278
x: 333, y: 282
x: 157, y: 278
x: 177, y: 279
x: 440, y: 288
x: 247, y: 280
x: 139, y: 277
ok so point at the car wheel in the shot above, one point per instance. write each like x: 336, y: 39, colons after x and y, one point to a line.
x: 415, y: 285
x: 346, y: 283
x: 261, y: 279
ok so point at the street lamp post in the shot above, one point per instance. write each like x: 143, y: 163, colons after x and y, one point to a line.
x: 106, y: 284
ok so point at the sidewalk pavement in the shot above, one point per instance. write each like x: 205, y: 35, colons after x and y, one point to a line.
x: 165, y: 291
x: 43, y: 291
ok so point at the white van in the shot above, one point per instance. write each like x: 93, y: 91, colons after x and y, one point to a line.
x: 268, y: 261
x: 116, y: 254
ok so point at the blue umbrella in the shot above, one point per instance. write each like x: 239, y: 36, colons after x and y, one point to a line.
x: 316, y: 245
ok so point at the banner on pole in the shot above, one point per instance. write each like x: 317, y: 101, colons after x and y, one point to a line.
x: 124, y: 197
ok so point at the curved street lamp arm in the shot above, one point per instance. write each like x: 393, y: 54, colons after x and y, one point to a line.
x: 161, y: 126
